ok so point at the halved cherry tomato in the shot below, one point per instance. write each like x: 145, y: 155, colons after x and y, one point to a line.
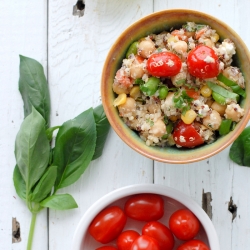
x: 126, y: 239
x: 161, y: 233
x: 106, y: 248
x: 145, y: 242
x: 124, y: 80
x: 184, y: 224
x: 185, y: 135
x: 202, y: 62
x: 164, y: 64
x: 193, y: 244
x: 145, y: 207
x: 108, y: 224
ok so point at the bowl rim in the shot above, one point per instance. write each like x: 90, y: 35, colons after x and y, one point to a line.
x: 121, y: 131
x: 160, y: 189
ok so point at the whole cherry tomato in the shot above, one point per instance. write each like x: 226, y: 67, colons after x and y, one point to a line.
x: 106, y: 248
x: 185, y: 135
x: 161, y: 233
x: 193, y: 245
x: 202, y: 62
x: 126, y: 239
x: 108, y: 224
x: 164, y: 64
x: 184, y: 224
x: 145, y: 207
x: 145, y: 242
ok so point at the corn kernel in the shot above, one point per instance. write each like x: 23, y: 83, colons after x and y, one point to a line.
x: 215, y: 37
x: 135, y: 92
x: 189, y: 116
x: 206, y: 91
x: 121, y: 99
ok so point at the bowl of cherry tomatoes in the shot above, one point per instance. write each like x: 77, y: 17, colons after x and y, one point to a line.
x: 175, y: 86
x: 145, y: 216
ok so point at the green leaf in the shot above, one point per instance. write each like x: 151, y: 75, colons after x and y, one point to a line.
x: 19, y: 183
x: 59, y: 202
x: 102, y: 129
x: 240, y: 149
x: 45, y: 185
x: 74, y: 148
x: 32, y: 149
x: 49, y: 132
x: 34, y: 88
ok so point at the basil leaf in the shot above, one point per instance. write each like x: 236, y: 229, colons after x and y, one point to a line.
x: 74, y: 148
x: 240, y: 149
x: 34, y: 88
x: 32, y: 149
x: 19, y: 183
x: 59, y: 202
x: 45, y: 185
x: 102, y: 129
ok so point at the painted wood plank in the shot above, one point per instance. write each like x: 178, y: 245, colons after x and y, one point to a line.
x: 23, y: 26
x: 217, y: 175
x: 77, y: 50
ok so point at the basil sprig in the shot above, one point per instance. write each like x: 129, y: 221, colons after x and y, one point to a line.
x: 41, y: 169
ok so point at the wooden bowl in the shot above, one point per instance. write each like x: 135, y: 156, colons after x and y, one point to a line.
x: 156, y: 23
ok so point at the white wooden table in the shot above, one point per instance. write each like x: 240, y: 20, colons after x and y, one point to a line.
x: 72, y: 49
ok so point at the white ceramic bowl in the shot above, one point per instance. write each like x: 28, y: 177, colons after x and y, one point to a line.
x: 173, y: 200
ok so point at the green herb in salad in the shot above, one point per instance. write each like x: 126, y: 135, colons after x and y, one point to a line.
x: 41, y: 169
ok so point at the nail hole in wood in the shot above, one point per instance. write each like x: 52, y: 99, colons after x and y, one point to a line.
x: 232, y: 208
x: 16, y: 233
x: 79, y: 8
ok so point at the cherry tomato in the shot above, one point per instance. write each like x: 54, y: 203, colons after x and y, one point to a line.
x: 108, y: 224
x: 164, y: 64
x: 184, y: 224
x: 161, y: 233
x: 185, y: 135
x: 106, y: 248
x: 126, y: 239
x: 145, y: 242
x: 145, y: 207
x: 202, y: 62
x: 193, y: 245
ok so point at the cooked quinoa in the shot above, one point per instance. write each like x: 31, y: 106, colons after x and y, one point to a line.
x: 162, y: 91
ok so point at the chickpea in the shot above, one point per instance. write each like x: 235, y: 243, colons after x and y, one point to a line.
x: 128, y: 106
x: 180, y: 47
x: 213, y: 120
x: 179, y: 79
x: 146, y: 48
x: 234, y: 112
x: 153, y: 108
x: 119, y: 90
x: 219, y: 108
x: 136, y: 71
x: 158, y: 129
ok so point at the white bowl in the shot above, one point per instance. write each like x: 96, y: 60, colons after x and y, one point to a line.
x: 173, y: 200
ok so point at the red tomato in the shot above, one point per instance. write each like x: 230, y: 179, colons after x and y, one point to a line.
x: 184, y: 224
x: 106, y: 248
x: 145, y: 242
x: 164, y: 64
x: 185, y: 135
x: 193, y: 245
x: 161, y: 233
x: 126, y: 239
x: 145, y: 207
x: 195, y: 94
x: 202, y: 62
x: 108, y: 224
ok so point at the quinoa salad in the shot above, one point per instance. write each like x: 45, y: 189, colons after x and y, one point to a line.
x: 180, y: 87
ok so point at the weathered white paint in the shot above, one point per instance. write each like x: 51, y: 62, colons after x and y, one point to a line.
x: 76, y: 52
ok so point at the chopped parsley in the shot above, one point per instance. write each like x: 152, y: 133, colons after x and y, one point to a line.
x: 182, y: 101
